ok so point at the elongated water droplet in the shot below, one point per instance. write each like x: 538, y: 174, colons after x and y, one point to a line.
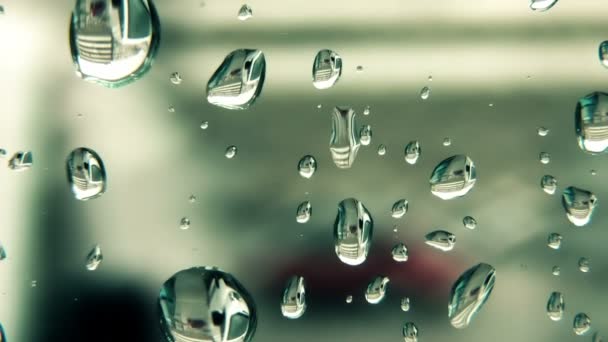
x: 469, y: 222
x: 2, y: 256
x: 21, y: 161
x: 584, y: 265
x: 591, y: 122
x: 293, y: 304
x: 238, y: 81
x: 184, y: 223
x: 453, y: 177
x: 307, y: 166
x: 343, y: 143
x: 412, y: 152
x: 556, y: 270
x: 579, y: 205
x: 94, y: 258
x: 381, y: 150
x: 549, y: 184
x: 175, y: 78
x: 425, y: 93
x: 204, y: 125
x: 353, y: 230
x: 365, y: 135
x: 231, y: 152
x: 556, y: 306
x: 304, y: 212
x: 245, y: 12
x: 581, y: 324
x: 541, y: 5
x: 405, y: 304
x: 603, y: 52
x: 400, y: 253
x: 544, y: 157
x: 399, y: 208
x: 542, y: 131
x: 447, y: 142
x: 410, y: 332
x: 114, y: 43
x: 441, y: 239
x: 206, y: 305
x: 376, y: 290
x: 554, y: 241
x: 349, y: 299
x: 366, y: 110
x: 469, y: 293
x: 326, y: 69
x: 86, y: 174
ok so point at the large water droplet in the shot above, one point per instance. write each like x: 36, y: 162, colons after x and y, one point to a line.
x: 206, y: 305
x: 113, y: 43
x: 556, y: 306
x: 554, y: 241
x: 410, y: 332
x: 579, y: 205
x: 400, y: 253
x: 581, y: 324
x: 86, y: 174
x: 549, y: 184
x: 245, y: 12
x: 307, y: 166
x: 412, y: 152
x: 453, y: 177
x: 238, y: 81
x: 175, y: 78
x: 343, y: 143
x: 441, y: 239
x: 353, y: 230
x: 293, y: 304
x: 591, y: 122
x: 21, y: 161
x: 230, y: 152
x: 469, y: 293
x: 541, y: 5
x: 376, y: 290
x: 544, y: 157
x: 405, y: 304
x: 184, y: 223
x: 94, y: 258
x: 469, y: 222
x: 425, y: 93
x: 399, y: 208
x: 304, y: 212
x: 584, y: 265
x: 326, y: 69
x: 365, y: 135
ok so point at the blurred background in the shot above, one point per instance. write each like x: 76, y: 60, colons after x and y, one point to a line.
x: 499, y: 71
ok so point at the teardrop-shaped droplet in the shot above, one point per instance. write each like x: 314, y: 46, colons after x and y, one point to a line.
x: 94, y: 258
x: 238, y: 81
x: 405, y: 304
x: 304, y: 212
x: 579, y: 205
x: 365, y: 135
x: 307, y: 166
x: 376, y: 290
x: 469, y: 222
x: 549, y: 184
x: 410, y: 332
x: 245, y: 12
x: 204, y: 304
x: 343, y: 143
x: 542, y: 131
x: 425, y: 93
x: 2, y: 256
x: 556, y: 270
x: 554, y: 241
x: 441, y: 239
x: 541, y: 5
x: 293, y: 304
x: 353, y: 230
x: 381, y: 150
x: 326, y: 69
x: 453, y: 177
x: 349, y: 299
x: 114, y: 43
x: 231, y: 152
x: 469, y: 293
x: 21, y: 161
x: 584, y: 265
x: 581, y: 324
x: 184, y: 223
x: 544, y: 157
x: 399, y: 208
x: 556, y: 306
x: 86, y: 174
x: 400, y: 253
x: 412, y: 152
x: 591, y: 123
x: 175, y: 78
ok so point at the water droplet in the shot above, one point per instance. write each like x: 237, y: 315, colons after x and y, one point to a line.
x: 175, y: 78
x: 293, y: 304
x: 245, y: 12
x: 238, y: 81
x: 94, y: 258
x: 86, y: 174
x: 430, y: 78
x: 34, y: 283
x: 542, y: 131
x: 231, y: 152
x: 326, y: 69
x: 349, y: 299
x: 544, y: 157
x: 319, y: 106
x: 2, y: 256
x: 381, y: 150
x: 184, y: 223
x: 304, y: 212
x: 359, y: 68
x: 307, y: 166
x: 204, y: 124
x: 490, y: 105
x: 21, y: 161
x: 400, y: 253
x: 554, y: 241
x: 399, y: 208
x: 192, y: 199
x: 366, y: 110
x: 579, y: 205
x: 469, y: 222
x: 541, y: 5
x: 556, y: 270
x: 171, y: 109
x: 469, y: 293
x: 1, y: 12
x: 2, y: 153
x: 584, y: 265
x: 410, y: 332
x: 343, y: 143
x: 365, y: 135
x: 206, y: 305
x: 376, y: 290
x: 556, y: 306
x: 425, y: 93
x: 596, y: 337
x: 591, y: 122
x: 593, y: 172
x: 581, y: 324
x: 114, y: 43
x: 441, y: 239
x: 405, y: 304
x: 549, y: 184
x: 447, y: 141
x: 453, y: 177
x: 412, y: 152
x: 603, y: 50
x: 353, y: 230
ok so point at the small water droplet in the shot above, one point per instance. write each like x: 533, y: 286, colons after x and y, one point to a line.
x: 175, y: 78
x: 343, y: 143
x: 326, y: 69
x: 469, y: 222
x: 554, y: 241
x: 593, y: 172
x: 184, y: 223
x: 469, y: 294
x: 453, y: 177
x: 381, y: 150
x: 405, y: 304
x: 171, y: 109
x: 556, y: 306
x: 541, y: 5
x: 2, y: 153
x: 192, y: 199
x: 307, y: 166
x: 34, y: 283
x: 205, y: 304
x: 430, y: 78
x: 293, y: 304
x: 365, y: 135
x: 544, y: 157
x: 238, y: 81
x: 542, y: 131
x: 349, y: 299
x: 425, y: 93
x: 581, y: 324
x: 204, y: 125
x: 366, y: 110
x: 603, y: 50
x: 1, y: 12
x: 591, y: 122
x: 441, y: 240
x: 400, y: 252
x: 359, y: 68
x: 584, y: 265
x: 2, y: 256
x: 549, y: 184
x: 556, y: 270
x: 86, y: 174
x: 231, y: 152
x: 412, y: 152
x: 21, y: 161
x: 410, y: 332
x: 94, y: 258
x: 353, y: 230
x: 490, y: 105
x: 304, y: 212
x: 245, y: 12
x: 376, y: 290
x: 447, y: 141
x: 319, y: 106
x: 579, y: 205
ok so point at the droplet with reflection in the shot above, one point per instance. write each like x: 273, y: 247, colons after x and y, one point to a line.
x: 584, y: 265
x: 353, y: 230
x: 556, y: 306
x: 441, y: 240
x: 469, y: 222
x: 343, y: 143
x: 579, y: 205
x: 94, y: 258
x: 307, y: 166
x: 86, y: 174
x: 245, y: 12
x: 549, y: 184
x: 591, y: 122
x: 410, y: 332
x: 304, y: 212
x: 399, y: 208
x: 412, y: 152
x: 293, y: 304
x: 544, y: 157
x: 326, y: 69
x: 230, y: 152
x: 400, y: 253
x: 541, y: 5
x: 184, y: 223
x: 376, y: 290
x: 405, y: 304
x: 365, y: 135
x: 469, y: 293
x: 381, y: 149
x: 21, y: 161
x: 425, y: 92
x: 453, y: 177
x: 581, y: 324
x: 554, y: 241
